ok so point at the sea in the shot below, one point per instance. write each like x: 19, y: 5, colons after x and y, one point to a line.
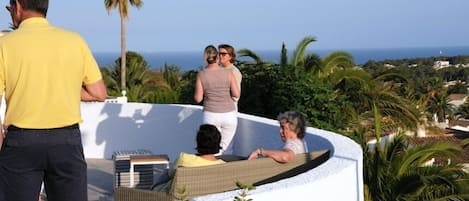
x: 193, y: 60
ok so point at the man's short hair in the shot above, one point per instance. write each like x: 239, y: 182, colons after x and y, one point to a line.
x: 208, y: 139
x: 39, y: 6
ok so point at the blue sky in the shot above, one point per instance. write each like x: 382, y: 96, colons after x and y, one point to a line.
x: 190, y: 25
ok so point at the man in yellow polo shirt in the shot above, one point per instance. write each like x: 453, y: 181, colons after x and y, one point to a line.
x: 44, y: 73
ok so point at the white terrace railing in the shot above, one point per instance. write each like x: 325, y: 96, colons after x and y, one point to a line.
x: 170, y: 129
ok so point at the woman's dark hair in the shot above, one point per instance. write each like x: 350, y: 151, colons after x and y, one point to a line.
x: 208, y: 139
x: 39, y: 6
x: 210, y: 54
x: 230, y: 50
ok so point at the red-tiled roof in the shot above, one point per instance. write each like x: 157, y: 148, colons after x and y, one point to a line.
x: 463, y: 123
x: 451, y: 136
x: 453, y: 97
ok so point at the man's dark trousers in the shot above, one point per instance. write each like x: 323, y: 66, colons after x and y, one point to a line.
x: 31, y: 156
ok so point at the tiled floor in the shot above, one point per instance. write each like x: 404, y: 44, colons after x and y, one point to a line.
x: 100, y: 179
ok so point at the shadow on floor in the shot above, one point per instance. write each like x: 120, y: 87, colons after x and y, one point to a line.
x: 100, y: 180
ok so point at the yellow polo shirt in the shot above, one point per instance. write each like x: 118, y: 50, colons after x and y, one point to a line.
x: 42, y: 70
x: 191, y: 160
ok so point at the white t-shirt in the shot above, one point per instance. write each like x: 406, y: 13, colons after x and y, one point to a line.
x: 298, y: 146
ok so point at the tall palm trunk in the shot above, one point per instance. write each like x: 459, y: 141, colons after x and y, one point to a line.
x: 123, y: 8
x: 123, y: 55
x: 377, y: 122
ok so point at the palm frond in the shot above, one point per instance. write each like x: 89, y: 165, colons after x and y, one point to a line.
x: 249, y: 53
x: 299, y: 53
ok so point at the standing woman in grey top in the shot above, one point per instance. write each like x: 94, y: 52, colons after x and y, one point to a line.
x: 217, y: 87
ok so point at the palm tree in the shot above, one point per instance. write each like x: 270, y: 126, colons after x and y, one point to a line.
x: 123, y: 7
x: 335, y: 61
x: 301, y: 61
x: 441, y: 106
x: 298, y: 57
x: 314, y: 64
x: 251, y: 54
x: 139, y: 82
x: 399, y: 171
x: 463, y: 111
x: 424, y: 97
x: 375, y: 99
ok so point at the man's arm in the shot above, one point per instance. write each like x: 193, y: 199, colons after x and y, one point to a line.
x: 2, y: 135
x: 94, y: 91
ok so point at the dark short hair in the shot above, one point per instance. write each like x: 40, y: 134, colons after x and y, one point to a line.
x: 230, y: 49
x: 296, y: 122
x: 39, y: 6
x: 208, y: 139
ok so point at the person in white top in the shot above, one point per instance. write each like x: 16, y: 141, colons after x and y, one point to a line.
x: 227, y: 58
x: 292, y: 132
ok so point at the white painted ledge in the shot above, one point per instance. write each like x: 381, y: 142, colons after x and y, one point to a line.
x: 170, y: 129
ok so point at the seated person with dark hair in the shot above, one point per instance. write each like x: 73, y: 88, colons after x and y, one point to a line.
x: 208, y: 144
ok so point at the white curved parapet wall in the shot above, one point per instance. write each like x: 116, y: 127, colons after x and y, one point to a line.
x: 170, y: 129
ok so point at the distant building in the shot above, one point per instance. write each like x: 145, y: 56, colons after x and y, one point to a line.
x: 462, y: 65
x: 440, y: 64
x: 457, y: 99
x: 389, y: 66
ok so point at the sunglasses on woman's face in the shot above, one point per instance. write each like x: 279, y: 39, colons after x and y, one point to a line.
x: 222, y: 53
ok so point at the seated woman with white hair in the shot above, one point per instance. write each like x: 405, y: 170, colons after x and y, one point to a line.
x: 292, y: 132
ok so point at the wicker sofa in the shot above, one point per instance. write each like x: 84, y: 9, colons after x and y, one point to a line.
x: 205, y: 180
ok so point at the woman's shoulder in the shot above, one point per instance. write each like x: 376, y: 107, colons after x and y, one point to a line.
x: 216, y: 71
x: 296, y: 145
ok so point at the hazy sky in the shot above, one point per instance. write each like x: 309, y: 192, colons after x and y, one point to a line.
x: 190, y: 25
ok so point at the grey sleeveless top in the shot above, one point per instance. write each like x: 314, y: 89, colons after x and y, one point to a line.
x: 217, y: 93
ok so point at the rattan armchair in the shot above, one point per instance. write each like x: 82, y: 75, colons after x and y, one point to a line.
x: 205, y: 180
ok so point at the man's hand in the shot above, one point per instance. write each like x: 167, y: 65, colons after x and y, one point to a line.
x: 94, y: 92
x: 2, y: 136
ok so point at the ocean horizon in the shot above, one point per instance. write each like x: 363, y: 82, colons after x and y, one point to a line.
x: 193, y: 60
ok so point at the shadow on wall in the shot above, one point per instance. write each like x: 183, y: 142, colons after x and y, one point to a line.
x: 317, y: 142
x: 251, y: 135
x: 170, y: 129
x: 161, y: 129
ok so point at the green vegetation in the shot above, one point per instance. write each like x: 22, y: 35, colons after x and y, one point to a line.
x: 122, y: 6
x: 181, y: 194
x: 245, y: 188
x: 399, y: 171
x: 364, y: 102
x: 144, y: 85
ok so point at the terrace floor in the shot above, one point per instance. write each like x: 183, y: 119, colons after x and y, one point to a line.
x: 100, y: 179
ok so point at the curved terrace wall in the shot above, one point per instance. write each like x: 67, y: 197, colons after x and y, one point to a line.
x: 170, y: 129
